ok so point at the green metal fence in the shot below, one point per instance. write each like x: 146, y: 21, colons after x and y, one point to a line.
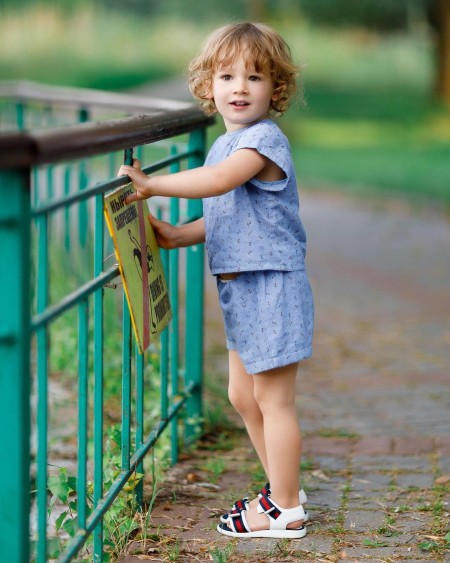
x: 56, y: 282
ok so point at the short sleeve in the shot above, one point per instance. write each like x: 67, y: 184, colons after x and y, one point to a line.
x: 267, y: 138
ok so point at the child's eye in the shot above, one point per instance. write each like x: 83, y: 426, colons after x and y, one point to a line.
x: 254, y: 78
x: 225, y: 76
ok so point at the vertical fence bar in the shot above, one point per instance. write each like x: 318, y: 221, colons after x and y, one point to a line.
x: 67, y: 171
x: 35, y: 184
x: 139, y: 495
x: 126, y: 365
x: 164, y: 365
x: 194, y: 303
x: 126, y: 385
x: 83, y: 342
x: 83, y: 219
x: 139, y: 384
x: 42, y: 389
x: 139, y: 422
x: 15, y: 365
x: 20, y: 116
x: 50, y: 188
x: 174, y: 325
x: 164, y: 350
x: 98, y: 374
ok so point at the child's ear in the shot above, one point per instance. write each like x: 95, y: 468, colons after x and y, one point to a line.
x: 209, y: 95
x: 208, y: 90
x: 276, y: 95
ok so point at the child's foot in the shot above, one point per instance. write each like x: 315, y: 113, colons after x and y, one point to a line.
x: 260, y: 521
x: 267, y: 520
x: 245, y: 504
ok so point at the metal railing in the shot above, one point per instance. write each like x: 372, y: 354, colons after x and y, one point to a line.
x: 45, y: 175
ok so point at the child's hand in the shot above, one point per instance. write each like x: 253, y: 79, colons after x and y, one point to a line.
x: 166, y: 234
x: 169, y: 236
x: 139, y: 180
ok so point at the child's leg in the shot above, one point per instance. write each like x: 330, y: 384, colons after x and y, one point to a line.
x: 275, y: 395
x: 242, y: 397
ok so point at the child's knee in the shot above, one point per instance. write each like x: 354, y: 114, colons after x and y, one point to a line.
x: 236, y: 399
x: 243, y: 404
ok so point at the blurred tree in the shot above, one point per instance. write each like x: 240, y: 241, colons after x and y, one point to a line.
x: 382, y: 15
x: 141, y: 7
x: 390, y: 16
x: 191, y: 11
x: 257, y: 10
x: 439, y: 17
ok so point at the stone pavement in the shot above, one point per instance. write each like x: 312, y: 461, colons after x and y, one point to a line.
x: 373, y: 402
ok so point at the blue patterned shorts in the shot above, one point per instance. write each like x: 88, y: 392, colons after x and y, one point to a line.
x: 269, y: 317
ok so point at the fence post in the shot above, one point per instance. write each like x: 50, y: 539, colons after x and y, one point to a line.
x: 194, y: 304
x: 15, y: 365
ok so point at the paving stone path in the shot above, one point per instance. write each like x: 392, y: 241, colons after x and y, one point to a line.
x: 373, y: 402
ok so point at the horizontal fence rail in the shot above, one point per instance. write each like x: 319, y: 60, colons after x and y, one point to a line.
x: 59, y: 331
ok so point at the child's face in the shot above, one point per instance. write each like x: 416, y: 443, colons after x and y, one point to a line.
x: 242, y: 96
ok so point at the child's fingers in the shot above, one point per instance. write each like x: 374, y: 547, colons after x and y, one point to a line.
x: 153, y: 220
x: 127, y: 170
x: 157, y: 224
x: 136, y: 196
x: 132, y: 197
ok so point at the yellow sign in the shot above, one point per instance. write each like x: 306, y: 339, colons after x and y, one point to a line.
x: 140, y: 265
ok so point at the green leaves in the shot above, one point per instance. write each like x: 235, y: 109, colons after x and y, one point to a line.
x: 62, y: 485
x: 436, y: 543
x: 119, y: 521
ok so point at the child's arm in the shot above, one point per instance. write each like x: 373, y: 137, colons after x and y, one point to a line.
x: 169, y: 236
x: 206, y: 181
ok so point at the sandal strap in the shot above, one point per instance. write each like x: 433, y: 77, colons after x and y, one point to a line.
x: 268, y: 507
x: 239, y: 506
x: 238, y: 523
x: 242, y: 504
x: 265, y: 490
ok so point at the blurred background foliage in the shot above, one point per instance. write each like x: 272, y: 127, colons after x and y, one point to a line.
x: 374, y: 121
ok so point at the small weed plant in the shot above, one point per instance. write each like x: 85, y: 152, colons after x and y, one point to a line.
x: 222, y: 555
x: 120, y: 521
x: 215, y: 467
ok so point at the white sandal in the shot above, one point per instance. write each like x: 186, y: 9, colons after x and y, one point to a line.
x: 243, y: 503
x: 279, y: 519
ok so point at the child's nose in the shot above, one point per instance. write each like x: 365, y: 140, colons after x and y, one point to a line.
x: 240, y: 86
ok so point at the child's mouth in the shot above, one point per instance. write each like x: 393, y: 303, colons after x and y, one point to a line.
x: 239, y: 104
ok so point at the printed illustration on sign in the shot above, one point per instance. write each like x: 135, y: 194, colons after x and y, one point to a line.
x: 140, y: 265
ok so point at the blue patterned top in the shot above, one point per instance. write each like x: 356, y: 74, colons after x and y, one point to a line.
x: 255, y: 226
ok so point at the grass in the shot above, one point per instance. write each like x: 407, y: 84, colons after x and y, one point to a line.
x: 393, y: 146
x: 215, y: 466
x: 337, y: 433
x: 222, y: 555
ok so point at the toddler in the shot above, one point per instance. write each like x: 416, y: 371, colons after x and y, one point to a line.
x: 256, y: 247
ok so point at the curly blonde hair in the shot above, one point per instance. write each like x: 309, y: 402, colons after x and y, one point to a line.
x: 261, y: 46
